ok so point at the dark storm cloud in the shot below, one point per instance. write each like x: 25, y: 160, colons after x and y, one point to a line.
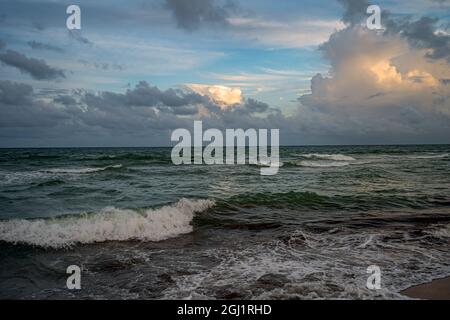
x: 177, y: 101
x: 35, y: 45
x: 144, y: 113
x: 65, y: 100
x: 255, y: 106
x: 185, y: 110
x: 19, y: 108
x: 138, y: 110
x: 145, y: 95
x: 52, y: 92
x: 422, y: 34
x: 146, y: 101
x: 2, y: 44
x: 191, y: 15
x: 355, y: 10
x: 38, y: 69
x: 12, y: 93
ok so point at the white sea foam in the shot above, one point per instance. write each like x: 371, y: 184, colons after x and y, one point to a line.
x: 82, y: 170
x: 315, y: 266
x: 322, y: 164
x: 110, y: 224
x: 441, y: 233
x: 269, y: 164
x: 334, y: 157
x: 434, y: 156
x: 24, y: 177
x: 319, y: 160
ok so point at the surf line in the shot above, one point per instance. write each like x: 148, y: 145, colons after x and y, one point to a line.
x: 235, y: 147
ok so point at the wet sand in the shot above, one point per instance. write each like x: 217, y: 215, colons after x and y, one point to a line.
x: 435, y: 290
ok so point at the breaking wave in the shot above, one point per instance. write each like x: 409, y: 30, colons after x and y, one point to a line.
x: 434, y: 156
x: 326, y: 263
x: 83, y: 170
x: 111, y: 224
x: 333, y: 157
x: 316, y: 160
x: 441, y: 233
x: 322, y: 164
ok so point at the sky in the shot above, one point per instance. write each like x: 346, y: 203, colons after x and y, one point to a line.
x: 137, y: 70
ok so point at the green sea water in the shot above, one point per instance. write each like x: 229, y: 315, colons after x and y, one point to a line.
x: 141, y: 227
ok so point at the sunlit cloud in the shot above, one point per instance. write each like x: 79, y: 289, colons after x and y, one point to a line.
x: 222, y: 95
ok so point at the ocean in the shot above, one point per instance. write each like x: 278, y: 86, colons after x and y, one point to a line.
x: 140, y: 227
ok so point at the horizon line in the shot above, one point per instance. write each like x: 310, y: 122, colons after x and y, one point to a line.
x: 281, y: 146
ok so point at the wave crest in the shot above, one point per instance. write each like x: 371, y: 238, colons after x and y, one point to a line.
x: 334, y: 157
x: 83, y: 170
x: 111, y: 224
x: 441, y: 233
x: 322, y: 164
x: 433, y: 156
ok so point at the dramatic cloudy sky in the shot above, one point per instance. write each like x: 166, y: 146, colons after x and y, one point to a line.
x: 139, y: 69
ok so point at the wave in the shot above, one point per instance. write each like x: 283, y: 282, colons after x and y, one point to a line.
x: 320, y: 160
x: 82, y: 170
x: 12, y: 178
x: 314, y: 201
x: 33, y: 156
x: 263, y: 164
x: 36, y: 177
x: 322, y: 164
x: 156, y: 158
x: 435, y: 156
x: 333, y: 157
x: 296, y: 263
x: 111, y: 224
x: 441, y: 233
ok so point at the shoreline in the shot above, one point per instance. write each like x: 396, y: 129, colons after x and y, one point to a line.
x: 438, y: 289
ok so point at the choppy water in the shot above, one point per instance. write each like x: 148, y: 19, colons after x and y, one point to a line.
x: 143, y: 228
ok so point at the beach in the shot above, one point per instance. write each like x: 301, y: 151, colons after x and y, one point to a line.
x: 435, y: 290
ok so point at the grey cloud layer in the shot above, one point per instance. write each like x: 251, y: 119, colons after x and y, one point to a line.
x: 36, y: 68
x: 12, y: 93
x: 35, y: 45
x: 135, y: 116
x: 423, y: 34
x: 20, y: 109
x: 354, y: 10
